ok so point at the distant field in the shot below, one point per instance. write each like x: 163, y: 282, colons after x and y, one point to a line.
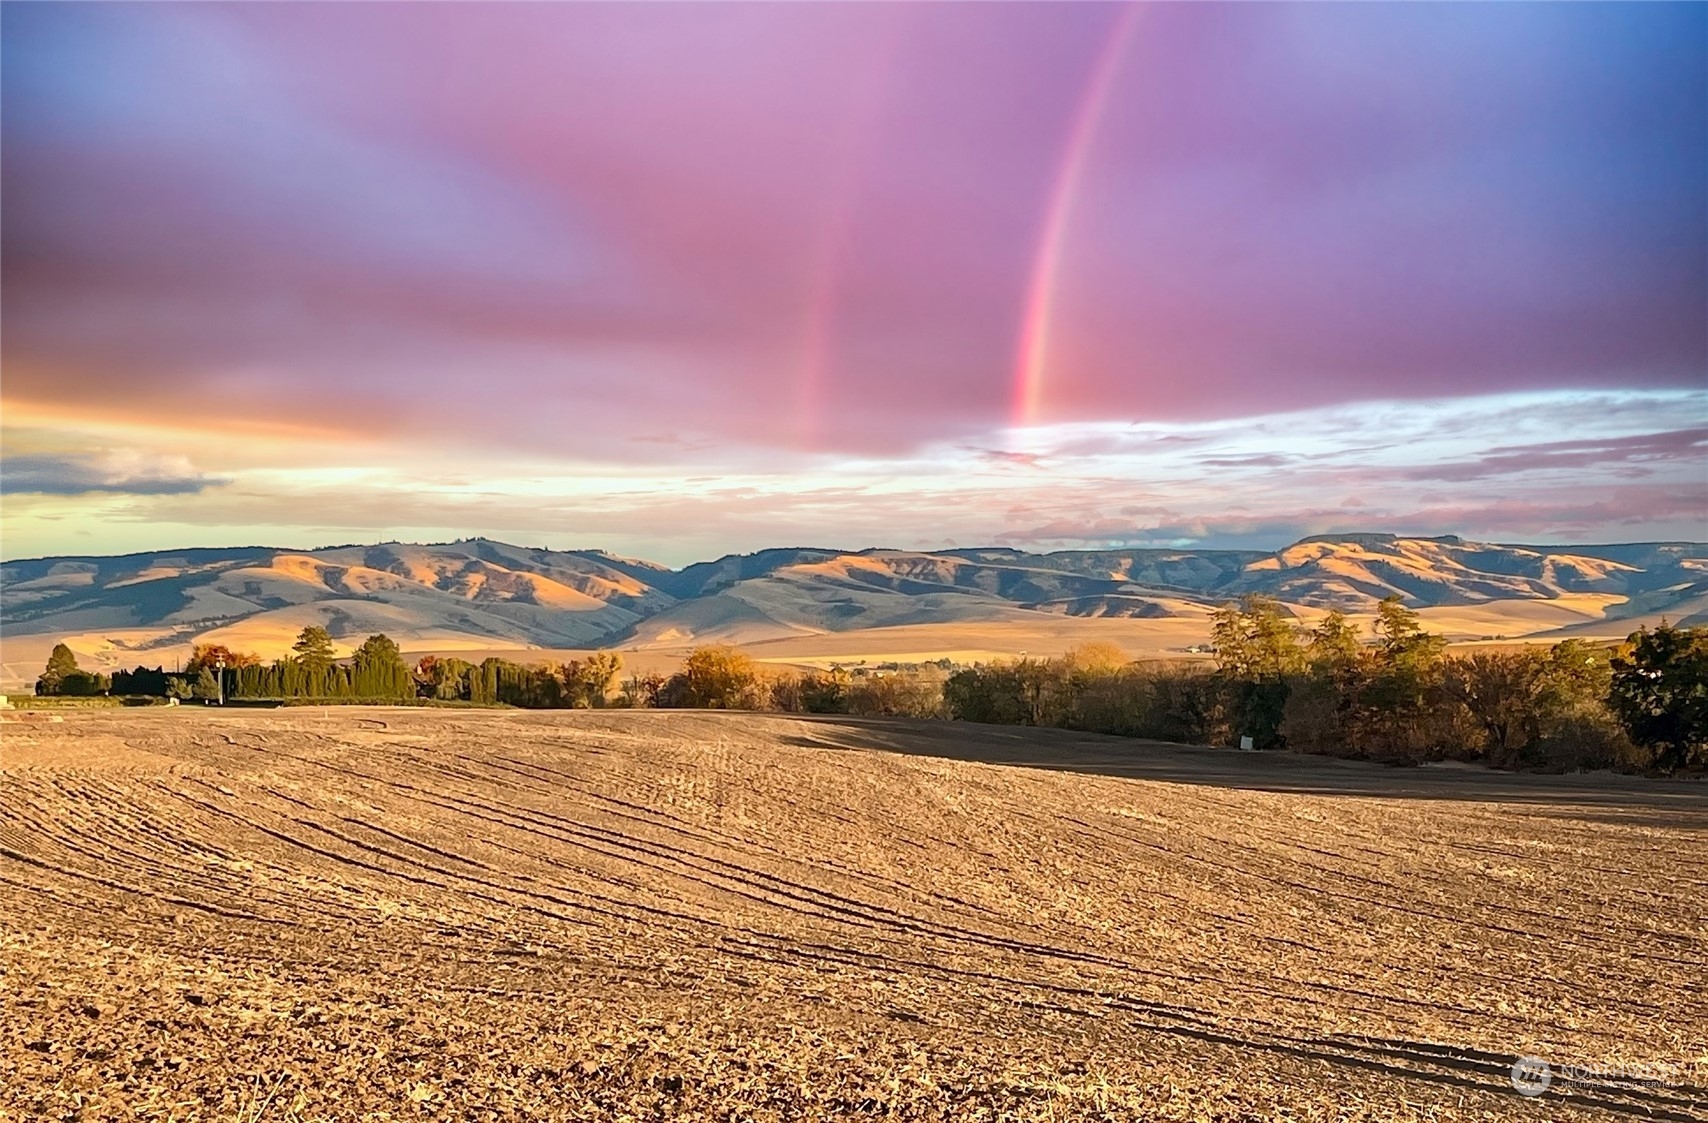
x: 919, y: 643
x: 312, y: 914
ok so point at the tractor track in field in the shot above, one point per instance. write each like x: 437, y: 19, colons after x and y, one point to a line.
x: 658, y: 907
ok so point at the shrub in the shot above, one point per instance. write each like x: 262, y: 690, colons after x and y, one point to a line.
x: 1166, y: 701
x: 641, y: 691
x: 894, y: 694
x: 716, y: 678
x: 83, y: 684
x: 1659, y: 691
x: 990, y: 694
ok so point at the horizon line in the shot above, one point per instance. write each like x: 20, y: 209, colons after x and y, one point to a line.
x: 1328, y: 536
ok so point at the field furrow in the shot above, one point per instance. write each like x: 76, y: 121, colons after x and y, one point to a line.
x: 721, y: 915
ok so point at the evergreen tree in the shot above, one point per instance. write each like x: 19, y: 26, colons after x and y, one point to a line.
x: 61, y: 663
x: 314, y: 650
x: 378, y: 670
x: 483, y: 682
x: 207, y: 686
x: 290, y: 678
x: 141, y: 681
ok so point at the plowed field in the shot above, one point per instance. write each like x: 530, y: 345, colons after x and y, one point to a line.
x: 402, y: 914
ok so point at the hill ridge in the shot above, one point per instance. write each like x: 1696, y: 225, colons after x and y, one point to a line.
x: 479, y: 592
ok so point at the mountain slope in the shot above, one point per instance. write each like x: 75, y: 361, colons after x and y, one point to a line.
x: 480, y: 594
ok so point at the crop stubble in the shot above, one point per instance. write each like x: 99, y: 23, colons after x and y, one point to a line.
x: 431, y: 914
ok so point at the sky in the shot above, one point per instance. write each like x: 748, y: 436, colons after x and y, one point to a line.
x: 676, y: 280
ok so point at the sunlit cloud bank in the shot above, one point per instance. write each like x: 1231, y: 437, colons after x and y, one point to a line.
x: 1544, y: 467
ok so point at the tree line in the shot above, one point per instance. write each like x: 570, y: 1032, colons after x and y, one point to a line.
x: 714, y: 677
x: 1399, y: 697
x: 376, y: 672
x: 1396, y: 695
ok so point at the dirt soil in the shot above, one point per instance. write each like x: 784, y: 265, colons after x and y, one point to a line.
x: 473, y: 915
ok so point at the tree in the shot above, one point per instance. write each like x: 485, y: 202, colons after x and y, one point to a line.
x: 1257, y: 649
x: 1334, y: 643
x: 1400, y: 635
x: 207, y: 686
x: 824, y: 693
x: 1256, y: 639
x: 214, y: 654
x: 1096, y: 659
x: 483, y: 681
x: 603, y: 667
x: 143, y: 680
x: 587, y: 682
x: 996, y: 694
x: 1511, y: 694
x: 1659, y: 691
x: 429, y: 675
x: 443, y: 677
x: 84, y: 684
x: 1317, y: 714
x: 720, y: 678
x: 378, y: 670
x: 315, y: 653
x: 61, y: 662
x: 896, y: 694
x: 1394, y: 693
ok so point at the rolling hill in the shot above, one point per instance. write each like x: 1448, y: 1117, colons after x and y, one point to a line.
x: 483, y: 595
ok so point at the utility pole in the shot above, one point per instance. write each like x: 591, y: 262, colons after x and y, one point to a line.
x: 219, y: 674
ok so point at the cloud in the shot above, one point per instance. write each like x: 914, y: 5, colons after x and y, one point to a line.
x: 1005, y: 456
x: 119, y: 471
x: 1556, y: 518
x: 1257, y: 483
x: 1259, y: 460
x: 565, y: 226
x: 1684, y: 445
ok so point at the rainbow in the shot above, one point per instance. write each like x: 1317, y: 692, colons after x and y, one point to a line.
x: 832, y: 245
x: 1034, y: 344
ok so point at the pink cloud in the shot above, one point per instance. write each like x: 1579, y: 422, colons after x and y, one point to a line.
x: 628, y: 204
